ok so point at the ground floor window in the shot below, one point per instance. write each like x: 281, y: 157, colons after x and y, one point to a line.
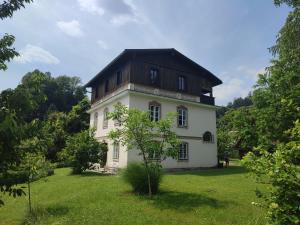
x: 183, y: 153
x: 116, y: 151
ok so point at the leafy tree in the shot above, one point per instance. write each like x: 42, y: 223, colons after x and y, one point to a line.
x: 34, y: 165
x: 277, y: 93
x: 11, y: 132
x: 7, y: 52
x: 148, y: 137
x: 235, y: 104
x: 281, y: 170
x: 237, y: 131
x: 8, y: 7
x: 78, y: 119
x: 81, y: 150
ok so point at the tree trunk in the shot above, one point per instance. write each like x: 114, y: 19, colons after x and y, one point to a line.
x: 149, y: 182
x: 29, y: 196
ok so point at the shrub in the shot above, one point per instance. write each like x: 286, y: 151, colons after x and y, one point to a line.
x: 81, y: 151
x: 136, y: 175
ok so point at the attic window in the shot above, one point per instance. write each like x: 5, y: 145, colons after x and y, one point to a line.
x: 96, y: 92
x: 154, y: 76
x: 181, y: 83
x: 106, y: 86
x: 119, y: 78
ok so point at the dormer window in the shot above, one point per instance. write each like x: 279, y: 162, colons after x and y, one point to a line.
x: 181, y: 83
x: 154, y: 76
x: 106, y: 86
x: 119, y: 78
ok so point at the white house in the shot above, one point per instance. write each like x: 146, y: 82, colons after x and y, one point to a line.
x: 159, y: 81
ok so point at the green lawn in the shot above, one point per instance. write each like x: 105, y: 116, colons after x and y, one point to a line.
x: 215, y: 196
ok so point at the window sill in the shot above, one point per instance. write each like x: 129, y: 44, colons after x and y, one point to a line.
x: 182, y: 160
x: 115, y: 160
x: 185, y: 127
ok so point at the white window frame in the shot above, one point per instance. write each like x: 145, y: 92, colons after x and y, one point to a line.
x: 183, y: 151
x: 181, y: 83
x: 182, y: 117
x: 95, y: 120
x: 154, y: 111
x: 105, y: 120
x: 116, y: 151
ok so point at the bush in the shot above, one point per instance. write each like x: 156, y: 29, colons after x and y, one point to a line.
x: 136, y: 175
x: 81, y: 150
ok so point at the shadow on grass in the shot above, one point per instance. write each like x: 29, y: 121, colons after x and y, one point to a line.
x: 212, y: 172
x: 183, y: 201
x: 41, y: 213
x: 89, y: 174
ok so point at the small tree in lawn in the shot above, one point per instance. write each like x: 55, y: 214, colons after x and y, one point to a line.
x: 151, y: 139
x: 33, y: 162
x: 35, y: 166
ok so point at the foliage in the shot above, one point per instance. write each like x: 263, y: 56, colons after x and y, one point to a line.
x: 8, y: 7
x: 78, y: 119
x: 103, y: 154
x: 280, y: 169
x: 293, y: 3
x: 237, y: 131
x: 277, y: 93
x: 136, y: 175
x: 148, y: 137
x: 235, y: 104
x: 7, y: 52
x: 34, y: 165
x: 11, y: 132
x: 81, y: 150
x: 40, y: 94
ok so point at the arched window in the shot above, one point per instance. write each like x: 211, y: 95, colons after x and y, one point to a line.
x: 182, y: 116
x: 105, y: 119
x: 155, y: 111
x: 183, y: 152
x: 208, y: 137
x: 96, y: 120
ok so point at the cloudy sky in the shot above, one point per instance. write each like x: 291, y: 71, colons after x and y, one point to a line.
x: 78, y: 37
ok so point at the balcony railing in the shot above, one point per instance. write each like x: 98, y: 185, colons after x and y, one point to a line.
x: 207, y: 100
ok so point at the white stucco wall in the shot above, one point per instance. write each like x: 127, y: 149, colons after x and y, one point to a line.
x: 200, y: 119
x: 101, y: 134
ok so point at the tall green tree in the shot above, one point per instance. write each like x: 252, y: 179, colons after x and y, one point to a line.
x: 277, y: 92
x: 151, y: 139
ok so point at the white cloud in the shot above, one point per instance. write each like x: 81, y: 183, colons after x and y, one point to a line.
x: 32, y: 53
x: 71, y: 28
x: 91, y: 6
x: 102, y: 44
x: 231, y: 89
x: 253, y: 73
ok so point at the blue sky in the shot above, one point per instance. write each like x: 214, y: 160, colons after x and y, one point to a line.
x: 79, y: 37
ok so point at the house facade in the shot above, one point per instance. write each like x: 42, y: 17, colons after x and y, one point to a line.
x: 158, y: 81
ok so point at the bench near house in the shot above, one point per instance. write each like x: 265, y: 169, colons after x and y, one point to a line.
x: 158, y: 81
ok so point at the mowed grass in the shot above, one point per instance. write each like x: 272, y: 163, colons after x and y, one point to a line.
x: 208, y: 197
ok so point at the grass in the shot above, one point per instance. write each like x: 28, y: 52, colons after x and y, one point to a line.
x: 208, y: 197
